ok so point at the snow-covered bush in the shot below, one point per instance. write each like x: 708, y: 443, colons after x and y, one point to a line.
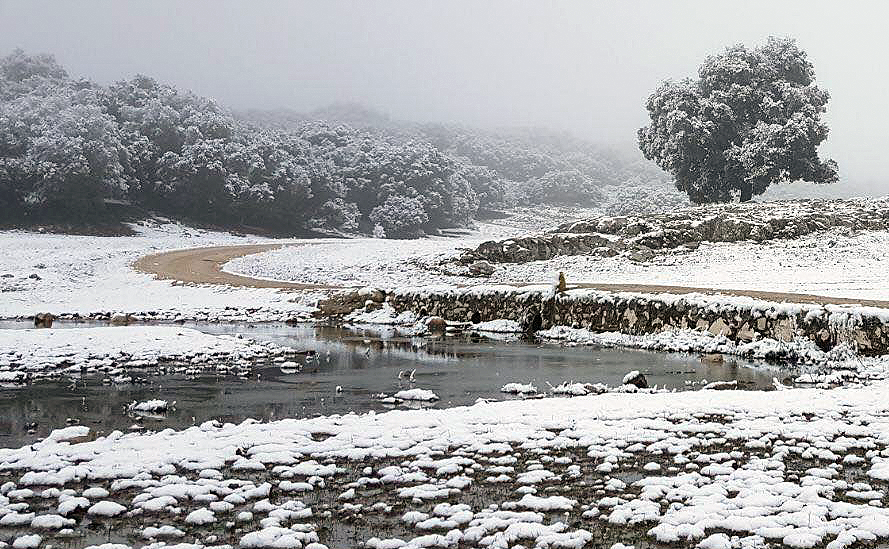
x: 563, y: 187
x: 486, y: 184
x: 400, y: 216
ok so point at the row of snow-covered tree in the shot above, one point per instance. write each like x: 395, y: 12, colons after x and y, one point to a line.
x: 70, y: 146
x: 515, y: 167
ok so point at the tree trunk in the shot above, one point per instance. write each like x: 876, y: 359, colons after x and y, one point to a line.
x: 746, y: 192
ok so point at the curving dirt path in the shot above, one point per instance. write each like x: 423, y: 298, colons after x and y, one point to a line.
x: 204, y: 266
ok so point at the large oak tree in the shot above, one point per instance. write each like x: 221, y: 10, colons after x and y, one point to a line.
x: 750, y: 119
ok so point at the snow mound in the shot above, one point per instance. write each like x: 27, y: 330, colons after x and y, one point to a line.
x: 518, y: 388
x: 155, y: 405
x: 416, y: 394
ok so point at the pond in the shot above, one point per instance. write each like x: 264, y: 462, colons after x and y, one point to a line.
x: 363, y: 362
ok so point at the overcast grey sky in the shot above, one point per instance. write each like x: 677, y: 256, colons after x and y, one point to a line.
x: 584, y: 66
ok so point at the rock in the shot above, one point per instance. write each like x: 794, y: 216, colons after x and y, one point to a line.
x: 43, y: 320
x: 436, y: 324
x: 685, y: 228
x: 712, y: 358
x: 721, y: 385
x: 745, y: 333
x: 719, y: 328
x: 7, y: 275
x: 648, y: 314
x: 371, y: 305
x: 784, y: 329
x: 641, y: 254
x: 121, y: 320
x: 34, y: 276
x: 373, y: 294
x: 481, y: 268
x: 535, y: 248
x: 636, y: 378
x: 343, y: 303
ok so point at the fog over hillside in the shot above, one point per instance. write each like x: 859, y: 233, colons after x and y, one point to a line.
x: 586, y: 67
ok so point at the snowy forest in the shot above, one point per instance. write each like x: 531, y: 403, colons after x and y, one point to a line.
x: 76, y: 153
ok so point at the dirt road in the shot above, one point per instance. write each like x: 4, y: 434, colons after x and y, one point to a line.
x: 204, y: 266
x: 768, y: 296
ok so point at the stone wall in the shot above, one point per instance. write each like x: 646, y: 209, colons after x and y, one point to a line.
x: 738, y: 318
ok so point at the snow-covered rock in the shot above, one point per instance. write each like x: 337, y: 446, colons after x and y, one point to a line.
x: 416, y: 394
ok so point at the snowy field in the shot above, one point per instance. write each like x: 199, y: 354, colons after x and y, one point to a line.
x: 834, y: 264
x: 367, y: 261
x: 712, y: 470
x: 31, y: 354
x: 87, y: 274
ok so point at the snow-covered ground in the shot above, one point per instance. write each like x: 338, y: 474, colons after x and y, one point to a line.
x: 793, y: 468
x: 30, y: 354
x: 729, y: 469
x: 834, y: 263
x: 366, y: 261
x: 88, y: 274
x: 82, y: 274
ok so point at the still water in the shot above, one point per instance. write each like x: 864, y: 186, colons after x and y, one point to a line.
x: 363, y: 362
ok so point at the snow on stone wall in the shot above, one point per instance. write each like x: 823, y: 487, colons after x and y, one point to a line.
x: 741, y: 319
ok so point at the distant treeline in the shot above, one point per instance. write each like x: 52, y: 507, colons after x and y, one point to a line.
x: 69, y: 147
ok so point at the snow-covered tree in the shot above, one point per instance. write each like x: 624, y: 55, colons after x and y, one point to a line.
x: 400, y: 217
x: 486, y: 184
x: 752, y: 118
x: 66, y: 146
x: 337, y: 214
x: 563, y: 187
x: 60, y: 152
x: 21, y: 73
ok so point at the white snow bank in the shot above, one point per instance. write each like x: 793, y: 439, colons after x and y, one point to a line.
x: 518, y: 388
x: 841, y: 363
x: 365, y: 261
x: 34, y: 353
x: 498, y: 326
x: 154, y: 405
x: 833, y: 263
x: 416, y: 394
x: 384, y: 315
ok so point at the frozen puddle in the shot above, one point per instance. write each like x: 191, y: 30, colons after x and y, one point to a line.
x: 362, y: 364
x: 795, y: 468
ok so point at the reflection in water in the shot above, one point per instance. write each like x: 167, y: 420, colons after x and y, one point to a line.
x: 364, y: 362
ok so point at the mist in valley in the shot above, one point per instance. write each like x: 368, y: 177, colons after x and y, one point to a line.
x: 583, y: 67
